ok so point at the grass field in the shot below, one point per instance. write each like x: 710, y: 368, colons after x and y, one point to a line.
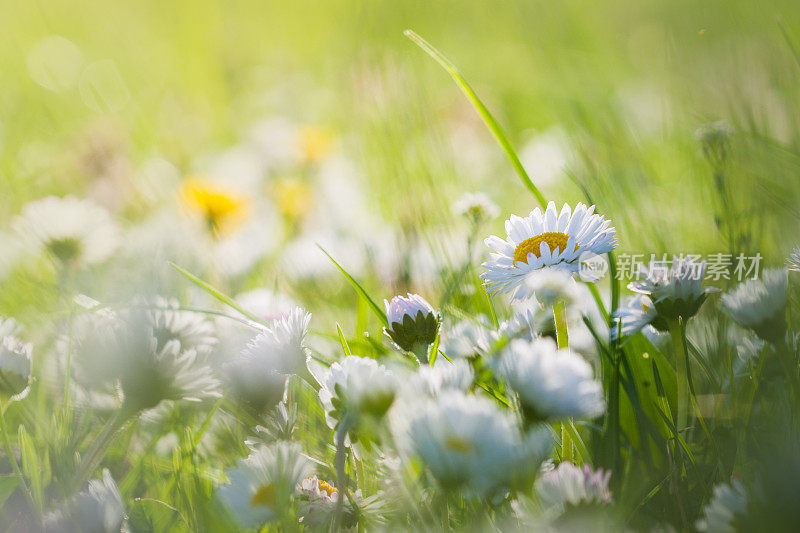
x: 205, y: 205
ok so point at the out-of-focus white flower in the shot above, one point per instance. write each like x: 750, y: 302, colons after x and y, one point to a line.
x: 545, y: 240
x: 551, y: 383
x: 793, y: 261
x: 15, y: 368
x: 728, y: 502
x: 98, y: 509
x: 124, y: 348
x: 190, y: 329
x: 469, y: 444
x: 528, y: 320
x: 281, y: 347
x: 676, y: 291
x: 749, y: 348
x: 467, y: 339
x: 430, y: 381
x: 72, y: 231
x: 569, y: 485
x: 635, y: 314
x: 476, y: 207
x: 266, y: 304
x: 356, y: 387
x: 546, y: 156
x: 263, y: 485
x: 413, y: 323
x: 258, y: 374
x: 9, y: 327
x: 759, y: 304
x: 550, y: 285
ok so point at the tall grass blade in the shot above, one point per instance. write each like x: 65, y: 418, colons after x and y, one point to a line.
x: 487, y: 117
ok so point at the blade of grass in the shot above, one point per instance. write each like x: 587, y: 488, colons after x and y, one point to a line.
x: 359, y: 289
x: 487, y: 117
x: 342, y: 340
x: 227, y: 300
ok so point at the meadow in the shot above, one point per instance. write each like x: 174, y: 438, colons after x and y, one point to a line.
x: 408, y: 266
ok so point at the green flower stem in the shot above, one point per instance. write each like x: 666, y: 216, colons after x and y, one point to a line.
x: 341, y: 474
x: 560, y: 319
x: 13, y: 460
x: 676, y: 331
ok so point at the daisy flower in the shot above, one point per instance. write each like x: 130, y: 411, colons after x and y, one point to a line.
x: 124, y: 348
x: 413, y: 324
x: 759, y: 304
x: 317, y: 503
x: 469, y: 444
x: 467, y: 339
x: 72, y: 231
x: 550, y: 285
x: 545, y: 240
x: 728, y: 502
x: 281, y: 346
x: 551, y: 383
x: 570, y: 485
x: 430, y: 381
x: 263, y: 485
x: 190, y: 329
x: 637, y: 313
x: 258, y: 374
x: 793, y: 261
x: 99, y: 509
x: 357, y: 387
x: 676, y: 291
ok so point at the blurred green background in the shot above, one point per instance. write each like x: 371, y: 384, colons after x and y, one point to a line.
x: 623, y: 85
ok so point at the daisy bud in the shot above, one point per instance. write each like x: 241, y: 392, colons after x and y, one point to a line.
x: 15, y: 368
x: 413, y: 324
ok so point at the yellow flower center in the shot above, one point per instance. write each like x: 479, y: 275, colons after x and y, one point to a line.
x: 218, y: 206
x: 327, y: 487
x: 554, y: 239
x: 458, y: 444
x: 265, y: 495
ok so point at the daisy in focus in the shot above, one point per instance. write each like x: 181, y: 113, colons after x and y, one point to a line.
x: 549, y: 240
x: 71, y: 231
